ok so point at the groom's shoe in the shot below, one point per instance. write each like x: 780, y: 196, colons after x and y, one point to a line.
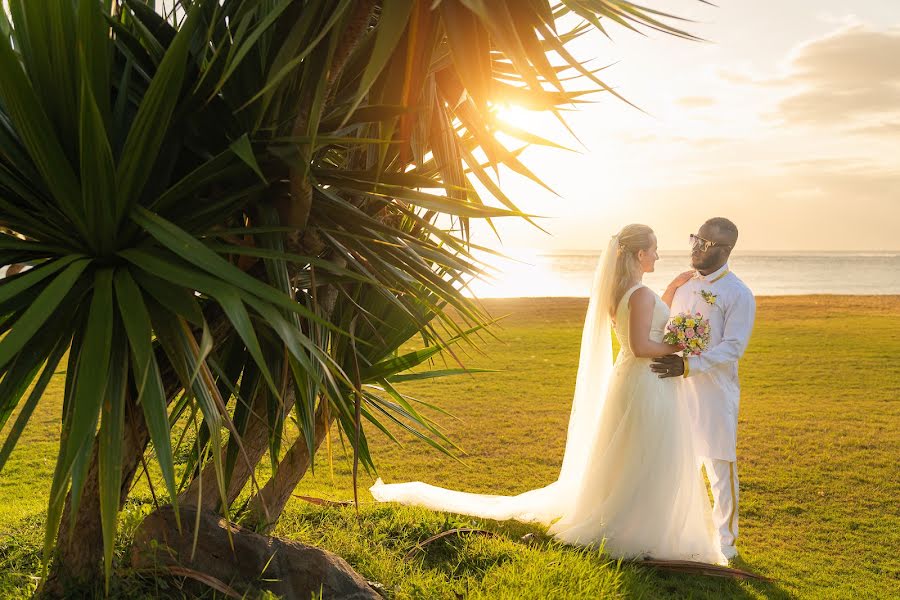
x: 729, y: 552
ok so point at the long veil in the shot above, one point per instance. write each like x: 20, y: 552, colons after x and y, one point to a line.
x: 547, y: 504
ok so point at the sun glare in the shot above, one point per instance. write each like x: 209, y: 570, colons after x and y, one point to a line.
x: 516, y: 116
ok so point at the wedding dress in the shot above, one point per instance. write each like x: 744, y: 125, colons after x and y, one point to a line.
x: 629, y: 478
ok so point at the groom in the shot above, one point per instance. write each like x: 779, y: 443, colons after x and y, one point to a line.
x: 710, y: 387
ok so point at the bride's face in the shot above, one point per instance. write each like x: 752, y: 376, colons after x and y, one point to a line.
x: 648, y: 257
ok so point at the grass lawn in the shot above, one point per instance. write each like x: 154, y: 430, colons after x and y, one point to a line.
x: 818, y: 448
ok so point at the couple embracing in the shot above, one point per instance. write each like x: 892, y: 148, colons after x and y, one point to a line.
x: 642, y: 425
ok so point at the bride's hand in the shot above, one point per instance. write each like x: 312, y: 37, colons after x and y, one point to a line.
x: 681, y: 279
x: 669, y: 295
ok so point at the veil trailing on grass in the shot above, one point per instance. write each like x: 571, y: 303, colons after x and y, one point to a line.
x: 547, y: 504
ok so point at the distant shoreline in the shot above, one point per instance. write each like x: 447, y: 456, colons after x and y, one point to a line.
x: 774, y: 296
x: 741, y: 253
x: 771, y: 274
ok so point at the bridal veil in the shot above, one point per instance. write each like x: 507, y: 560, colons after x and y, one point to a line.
x: 544, y: 505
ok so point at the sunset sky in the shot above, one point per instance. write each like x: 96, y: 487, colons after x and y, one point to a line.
x: 787, y: 122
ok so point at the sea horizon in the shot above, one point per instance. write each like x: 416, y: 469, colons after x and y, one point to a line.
x: 558, y: 273
x: 747, y: 252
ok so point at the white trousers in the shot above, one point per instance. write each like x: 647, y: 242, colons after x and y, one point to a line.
x: 723, y: 479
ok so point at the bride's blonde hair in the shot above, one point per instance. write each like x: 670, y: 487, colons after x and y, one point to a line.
x: 632, y: 239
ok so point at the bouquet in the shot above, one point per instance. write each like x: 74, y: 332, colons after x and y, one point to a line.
x: 691, y: 332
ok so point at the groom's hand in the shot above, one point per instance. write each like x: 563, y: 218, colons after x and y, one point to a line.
x: 670, y: 365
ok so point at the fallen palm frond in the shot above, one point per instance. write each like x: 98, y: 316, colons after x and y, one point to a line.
x: 420, y: 547
x: 698, y: 568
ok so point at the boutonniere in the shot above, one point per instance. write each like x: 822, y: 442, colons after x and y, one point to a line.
x: 709, y: 297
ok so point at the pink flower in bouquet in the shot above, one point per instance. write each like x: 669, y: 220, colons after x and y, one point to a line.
x: 689, y: 332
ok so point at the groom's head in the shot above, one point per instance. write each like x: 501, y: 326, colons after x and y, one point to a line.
x: 711, y: 246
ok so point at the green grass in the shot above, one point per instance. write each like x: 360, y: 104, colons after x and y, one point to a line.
x: 818, y: 445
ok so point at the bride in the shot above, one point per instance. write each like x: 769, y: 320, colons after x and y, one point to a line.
x: 629, y: 477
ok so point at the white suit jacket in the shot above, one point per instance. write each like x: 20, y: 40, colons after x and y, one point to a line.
x: 710, y: 387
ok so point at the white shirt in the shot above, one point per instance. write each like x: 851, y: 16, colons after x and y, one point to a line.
x: 710, y: 388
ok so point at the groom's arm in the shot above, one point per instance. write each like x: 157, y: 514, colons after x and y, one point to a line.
x: 738, y: 325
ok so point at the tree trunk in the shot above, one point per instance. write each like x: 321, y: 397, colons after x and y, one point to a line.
x: 78, y: 565
x: 79, y: 551
x: 78, y: 561
x: 255, y: 441
x: 274, y: 495
x: 293, y: 209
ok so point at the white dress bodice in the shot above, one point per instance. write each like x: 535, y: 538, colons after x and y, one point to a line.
x: 657, y: 324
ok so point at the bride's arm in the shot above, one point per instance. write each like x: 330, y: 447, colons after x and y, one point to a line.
x: 640, y: 315
x: 679, y: 281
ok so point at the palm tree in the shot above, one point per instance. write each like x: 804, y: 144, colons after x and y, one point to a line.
x: 236, y: 212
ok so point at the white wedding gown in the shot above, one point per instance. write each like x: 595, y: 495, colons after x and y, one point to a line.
x: 629, y: 474
x: 643, y: 491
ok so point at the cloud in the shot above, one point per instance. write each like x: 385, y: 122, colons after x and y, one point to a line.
x: 844, y: 181
x: 888, y: 129
x: 696, y: 101
x: 656, y: 139
x: 745, y: 77
x: 849, y: 182
x: 798, y: 205
x: 845, y: 77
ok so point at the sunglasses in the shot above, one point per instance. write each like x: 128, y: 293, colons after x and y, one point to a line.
x: 704, y: 244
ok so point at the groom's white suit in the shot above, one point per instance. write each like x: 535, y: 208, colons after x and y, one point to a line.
x: 710, y: 388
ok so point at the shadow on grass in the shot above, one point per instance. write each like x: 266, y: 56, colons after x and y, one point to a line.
x: 639, y: 580
x: 514, y: 560
x: 636, y: 581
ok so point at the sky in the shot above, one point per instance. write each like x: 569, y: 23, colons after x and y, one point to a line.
x: 787, y: 121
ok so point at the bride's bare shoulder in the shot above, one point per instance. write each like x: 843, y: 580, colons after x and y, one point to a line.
x: 642, y: 297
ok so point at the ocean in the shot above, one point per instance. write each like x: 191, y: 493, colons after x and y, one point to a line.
x: 767, y: 273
